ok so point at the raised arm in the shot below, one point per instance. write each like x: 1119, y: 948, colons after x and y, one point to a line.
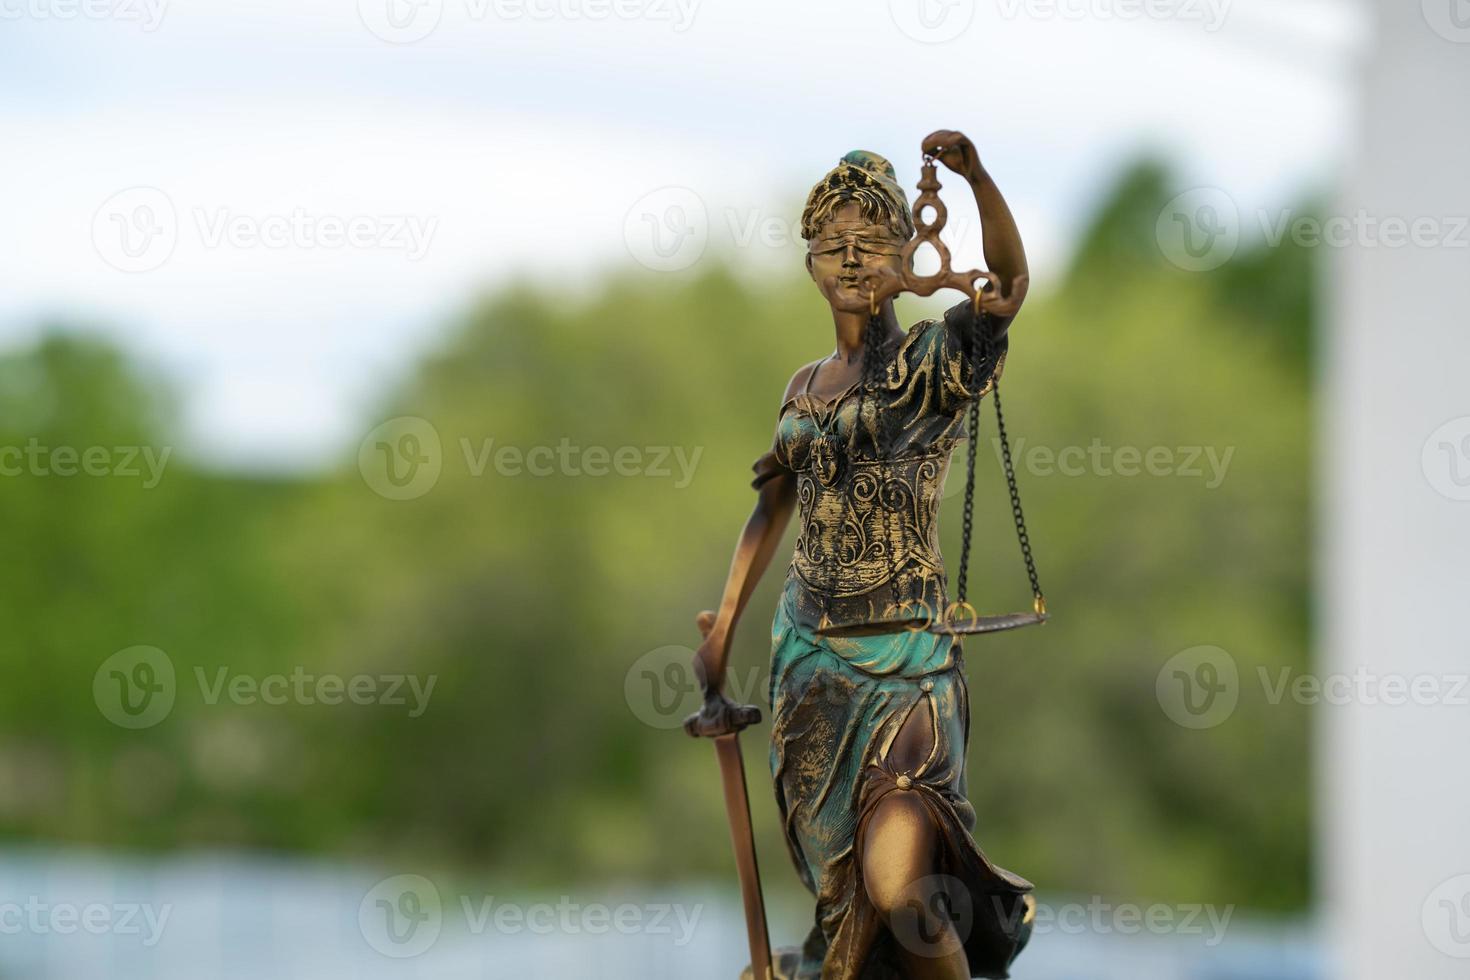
x: 1005, y: 256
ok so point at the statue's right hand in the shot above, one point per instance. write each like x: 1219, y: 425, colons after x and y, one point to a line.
x: 721, y: 716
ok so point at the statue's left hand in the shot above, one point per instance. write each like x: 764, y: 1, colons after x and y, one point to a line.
x: 954, y: 149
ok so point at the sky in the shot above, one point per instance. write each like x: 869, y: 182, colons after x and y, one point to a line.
x: 281, y: 205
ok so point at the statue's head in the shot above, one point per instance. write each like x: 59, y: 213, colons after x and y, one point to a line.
x: 856, y: 221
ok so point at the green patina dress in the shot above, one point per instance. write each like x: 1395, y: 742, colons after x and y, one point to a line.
x: 869, y: 542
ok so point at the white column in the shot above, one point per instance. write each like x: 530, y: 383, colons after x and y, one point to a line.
x: 1394, y: 519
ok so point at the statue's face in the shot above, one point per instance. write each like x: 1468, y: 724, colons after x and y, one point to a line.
x: 845, y: 250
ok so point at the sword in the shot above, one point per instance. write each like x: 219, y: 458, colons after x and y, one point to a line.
x: 742, y: 835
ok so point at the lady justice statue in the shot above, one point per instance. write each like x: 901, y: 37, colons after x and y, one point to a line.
x: 871, y: 709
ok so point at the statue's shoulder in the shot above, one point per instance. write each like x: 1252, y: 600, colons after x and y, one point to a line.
x: 798, y: 381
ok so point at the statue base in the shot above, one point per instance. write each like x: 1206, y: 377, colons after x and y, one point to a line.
x: 787, y: 962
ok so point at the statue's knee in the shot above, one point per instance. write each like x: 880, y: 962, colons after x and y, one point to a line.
x: 893, y: 894
x: 898, y: 856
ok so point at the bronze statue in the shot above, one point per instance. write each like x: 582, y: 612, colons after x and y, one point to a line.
x: 871, y: 711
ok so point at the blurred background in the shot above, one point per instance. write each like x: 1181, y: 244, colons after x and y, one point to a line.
x: 379, y: 384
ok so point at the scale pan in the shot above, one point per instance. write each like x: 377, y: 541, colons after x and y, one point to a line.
x: 989, y: 624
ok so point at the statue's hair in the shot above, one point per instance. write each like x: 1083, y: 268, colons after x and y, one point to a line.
x: 867, y: 179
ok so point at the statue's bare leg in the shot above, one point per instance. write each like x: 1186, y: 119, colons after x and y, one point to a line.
x: 899, y: 850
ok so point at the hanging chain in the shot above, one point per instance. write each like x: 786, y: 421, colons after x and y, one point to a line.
x: 873, y: 376
x: 980, y: 348
x: 871, y: 372
x: 1010, y: 468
